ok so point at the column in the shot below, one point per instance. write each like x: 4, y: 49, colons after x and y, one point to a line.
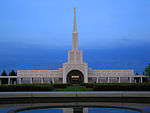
x: 85, y: 110
x: 15, y: 82
x: 8, y: 80
x: 42, y: 81
x: 118, y: 79
x: 135, y: 80
x: 0, y: 81
x: 97, y: 80
x: 20, y: 80
x: 64, y: 77
x: 31, y: 80
x: 107, y: 79
x: 130, y: 78
x: 141, y: 79
x: 11, y: 81
x: 86, y: 75
x: 53, y: 80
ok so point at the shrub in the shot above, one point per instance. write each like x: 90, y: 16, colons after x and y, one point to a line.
x: 122, y: 87
x: 32, y: 87
x: 27, y: 87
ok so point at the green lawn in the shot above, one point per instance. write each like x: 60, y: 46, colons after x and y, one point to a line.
x: 72, y: 88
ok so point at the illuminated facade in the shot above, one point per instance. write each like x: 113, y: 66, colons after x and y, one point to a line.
x: 75, y: 70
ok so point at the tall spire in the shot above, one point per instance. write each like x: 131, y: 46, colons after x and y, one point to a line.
x: 75, y: 26
x: 75, y: 34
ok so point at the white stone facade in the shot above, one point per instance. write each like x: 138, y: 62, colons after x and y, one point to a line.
x: 80, y: 67
x: 75, y: 62
x: 110, y: 73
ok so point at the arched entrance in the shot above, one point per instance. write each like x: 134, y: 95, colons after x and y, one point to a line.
x: 75, y: 77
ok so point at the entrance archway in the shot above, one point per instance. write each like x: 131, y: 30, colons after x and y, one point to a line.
x: 75, y: 77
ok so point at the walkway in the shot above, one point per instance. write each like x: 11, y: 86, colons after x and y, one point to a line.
x: 117, y: 94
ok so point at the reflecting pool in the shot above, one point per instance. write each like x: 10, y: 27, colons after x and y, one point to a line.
x: 76, y: 107
x: 81, y: 110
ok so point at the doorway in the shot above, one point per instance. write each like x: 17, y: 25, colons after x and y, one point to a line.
x: 75, y: 77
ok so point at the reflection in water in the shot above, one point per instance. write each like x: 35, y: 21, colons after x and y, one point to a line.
x: 77, y: 107
x: 81, y: 110
x: 53, y: 110
x: 75, y: 110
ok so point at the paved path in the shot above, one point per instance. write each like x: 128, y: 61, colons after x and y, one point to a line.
x: 76, y: 94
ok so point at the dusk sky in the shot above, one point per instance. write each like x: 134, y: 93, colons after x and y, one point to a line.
x: 37, y: 34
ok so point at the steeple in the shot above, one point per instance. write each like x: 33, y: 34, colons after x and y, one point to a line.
x: 75, y: 55
x: 74, y: 34
x: 75, y: 26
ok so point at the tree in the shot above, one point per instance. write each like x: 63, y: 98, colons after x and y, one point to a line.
x: 4, y: 80
x: 147, y: 70
x: 143, y: 73
x: 4, y: 73
x: 137, y: 73
x: 12, y: 73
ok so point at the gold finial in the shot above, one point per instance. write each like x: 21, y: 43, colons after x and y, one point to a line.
x: 74, y: 9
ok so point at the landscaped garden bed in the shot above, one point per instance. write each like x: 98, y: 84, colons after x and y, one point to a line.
x: 27, y: 87
x: 82, y: 87
x: 122, y: 87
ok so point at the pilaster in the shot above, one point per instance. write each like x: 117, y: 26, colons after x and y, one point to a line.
x: 108, y: 80
x: 118, y: 79
x: 31, y: 80
x: 8, y: 80
x: 141, y: 78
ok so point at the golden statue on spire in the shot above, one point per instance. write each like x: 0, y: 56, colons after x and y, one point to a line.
x: 74, y: 9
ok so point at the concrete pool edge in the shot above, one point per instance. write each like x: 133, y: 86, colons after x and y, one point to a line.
x: 120, y: 94
x: 76, y: 106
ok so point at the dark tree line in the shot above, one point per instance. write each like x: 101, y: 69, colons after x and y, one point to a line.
x: 12, y: 73
x: 147, y: 70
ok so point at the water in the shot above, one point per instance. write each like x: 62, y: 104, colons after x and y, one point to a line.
x: 64, y: 110
x: 82, y: 110
x: 56, y: 107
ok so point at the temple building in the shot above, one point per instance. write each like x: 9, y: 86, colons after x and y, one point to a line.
x: 75, y: 70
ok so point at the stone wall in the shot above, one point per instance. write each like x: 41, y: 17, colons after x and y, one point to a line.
x: 75, y: 57
x: 40, y: 73
x: 110, y: 73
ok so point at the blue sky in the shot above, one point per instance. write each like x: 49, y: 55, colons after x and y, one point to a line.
x: 36, y: 34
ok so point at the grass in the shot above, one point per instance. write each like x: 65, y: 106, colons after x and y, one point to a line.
x: 72, y: 88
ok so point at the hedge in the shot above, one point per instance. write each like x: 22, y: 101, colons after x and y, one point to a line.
x: 32, y: 87
x: 122, y: 87
x: 27, y: 87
